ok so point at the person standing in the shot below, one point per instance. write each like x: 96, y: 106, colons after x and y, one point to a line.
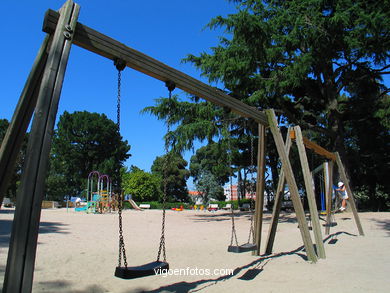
x: 344, y: 195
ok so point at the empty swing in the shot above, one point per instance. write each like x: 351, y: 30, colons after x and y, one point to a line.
x: 248, y: 246
x: 154, y: 267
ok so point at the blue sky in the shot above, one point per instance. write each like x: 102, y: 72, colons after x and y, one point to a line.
x: 165, y: 30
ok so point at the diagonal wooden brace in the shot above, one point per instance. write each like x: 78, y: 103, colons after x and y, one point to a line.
x: 286, y: 165
x: 23, y: 243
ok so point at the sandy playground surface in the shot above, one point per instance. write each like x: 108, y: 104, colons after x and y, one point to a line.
x: 77, y: 252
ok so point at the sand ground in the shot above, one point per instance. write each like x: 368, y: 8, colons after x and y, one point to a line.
x: 78, y: 252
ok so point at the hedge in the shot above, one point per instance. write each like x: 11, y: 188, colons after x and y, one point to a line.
x: 158, y: 205
x: 155, y: 205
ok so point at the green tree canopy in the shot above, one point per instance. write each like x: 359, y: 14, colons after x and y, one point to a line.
x: 14, y: 182
x: 84, y: 142
x: 171, y: 168
x: 300, y: 56
x: 209, y: 187
x: 212, y: 158
x: 143, y: 186
x: 3, y: 128
x: 319, y: 64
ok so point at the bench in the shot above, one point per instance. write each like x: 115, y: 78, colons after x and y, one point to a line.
x: 245, y: 207
x: 212, y: 207
x: 144, y: 206
x: 227, y: 206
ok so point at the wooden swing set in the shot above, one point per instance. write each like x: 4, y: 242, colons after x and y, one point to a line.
x: 41, y: 96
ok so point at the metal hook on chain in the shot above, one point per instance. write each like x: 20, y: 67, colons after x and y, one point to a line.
x: 120, y: 66
x: 171, y: 86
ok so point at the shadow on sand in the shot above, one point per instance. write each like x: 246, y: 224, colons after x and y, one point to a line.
x: 384, y: 224
x: 44, y: 228
x: 284, y: 217
x: 219, y: 216
x: 246, y: 272
x: 65, y: 286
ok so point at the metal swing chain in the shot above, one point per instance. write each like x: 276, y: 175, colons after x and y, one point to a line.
x: 120, y: 65
x: 171, y: 86
x: 121, y: 240
x: 234, y: 233
x: 252, y: 227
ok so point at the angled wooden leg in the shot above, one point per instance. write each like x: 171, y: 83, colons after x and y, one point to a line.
x: 328, y: 175
x: 310, y: 193
x: 277, y: 202
x: 23, y: 243
x: 13, y: 139
x: 286, y: 165
x: 351, y: 199
x: 260, y: 188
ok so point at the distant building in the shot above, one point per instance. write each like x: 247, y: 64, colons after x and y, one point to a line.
x: 232, y: 193
x: 196, y: 196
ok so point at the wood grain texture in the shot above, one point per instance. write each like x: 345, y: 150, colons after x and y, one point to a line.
x: 315, y: 147
x: 286, y: 165
x: 277, y: 203
x: 308, y: 179
x: 107, y: 47
x: 328, y: 178
x: 351, y: 200
x: 13, y: 139
x: 22, y: 249
x: 260, y: 186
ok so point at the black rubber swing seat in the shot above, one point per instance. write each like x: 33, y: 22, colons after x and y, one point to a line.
x: 149, y: 269
x: 242, y: 248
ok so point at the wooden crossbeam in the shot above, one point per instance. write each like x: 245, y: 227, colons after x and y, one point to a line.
x: 105, y: 46
x: 315, y: 147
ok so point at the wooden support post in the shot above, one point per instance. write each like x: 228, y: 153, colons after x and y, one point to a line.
x: 351, y: 200
x: 328, y: 178
x: 260, y: 186
x: 23, y: 243
x: 310, y: 193
x: 286, y: 165
x: 277, y: 202
x: 13, y: 139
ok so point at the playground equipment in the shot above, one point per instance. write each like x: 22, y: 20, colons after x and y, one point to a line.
x: 179, y: 209
x: 92, y: 192
x: 41, y: 95
x: 105, y: 194
x: 303, y: 143
x: 248, y: 246
x: 99, y: 194
x: 126, y: 272
x: 136, y: 207
x: 320, y: 183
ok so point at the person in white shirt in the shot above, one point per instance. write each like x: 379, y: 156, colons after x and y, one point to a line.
x: 344, y: 195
